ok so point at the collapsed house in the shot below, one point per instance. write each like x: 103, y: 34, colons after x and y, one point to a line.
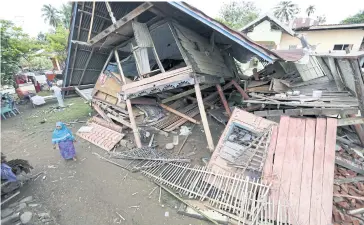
x: 160, y: 57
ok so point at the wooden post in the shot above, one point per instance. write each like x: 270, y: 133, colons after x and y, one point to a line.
x: 223, y: 100
x: 205, y: 123
x: 133, y: 124
x: 92, y: 21
x: 108, y: 7
x: 335, y: 74
x: 128, y: 105
x: 119, y: 65
x: 358, y: 81
x: 240, y: 90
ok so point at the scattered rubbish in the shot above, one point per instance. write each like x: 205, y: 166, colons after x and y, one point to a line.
x: 175, y: 140
x: 121, y: 217
x: 85, y: 129
x: 52, y: 167
x: 166, y: 214
x: 152, y: 192
x: 134, y: 193
x: 169, y: 146
x: 184, y: 131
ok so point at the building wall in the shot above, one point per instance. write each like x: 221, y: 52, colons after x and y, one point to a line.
x: 263, y: 33
x: 325, y: 39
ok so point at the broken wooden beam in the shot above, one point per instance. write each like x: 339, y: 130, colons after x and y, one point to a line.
x: 109, y: 125
x: 133, y: 124
x: 240, y: 90
x: 223, y: 100
x: 120, y: 120
x: 349, y: 165
x: 350, y: 121
x: 205, y: 123
x: 179, y: 113
x: 186, y: 93
x: 102, y: 113
x: 121, y: 22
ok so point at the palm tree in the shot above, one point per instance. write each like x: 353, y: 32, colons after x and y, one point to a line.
x: 51, y: 15
x: 285, y: 11
x: 321, y: 19
x: 310, y: 10
x: 66, y: 13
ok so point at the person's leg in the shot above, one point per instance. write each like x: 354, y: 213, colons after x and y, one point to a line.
x: 60, y: 100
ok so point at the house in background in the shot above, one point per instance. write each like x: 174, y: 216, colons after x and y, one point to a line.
x: 322, y: 38
x: 267, y: 31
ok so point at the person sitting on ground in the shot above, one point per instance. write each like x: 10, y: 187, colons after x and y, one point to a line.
x: 58, y: 94
x: 64, y: 138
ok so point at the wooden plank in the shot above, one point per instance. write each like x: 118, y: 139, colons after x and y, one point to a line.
x: 268, y: 165
x: 205, y: 123
x: 121, y: 22
x: 350, y: 121
x: 317, y: 173
x: 296, y: 166
x: 356, y: 167
x: 181, y: 77
x: 335, y: 74
x: 102, y: 113
x: 157, y: 78
x: 306, y: 181
x: 92, y: 21
x: 329, y: 167
x: 179, y: 113
x: 359, y: 84
x: 322, y: 111
x: 278, y: 161
x: 186, y: 93
x: 120, y: 120
x: 223, y: 99
x: 133, y: 124
x: 288, y: 161
x: 240, y: 90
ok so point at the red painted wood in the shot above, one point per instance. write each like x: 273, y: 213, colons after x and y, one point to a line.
x: 297, y: 140
x: 223, y: 100
x: 306, y: 180
x: 278, y: 159
x: 329, y: 167
x: 317, y: 173
x: 284, y: 192
x: 268, y: 165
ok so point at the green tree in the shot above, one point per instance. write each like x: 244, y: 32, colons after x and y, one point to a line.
x: 57, y: 43
x: 15, y: 46
x: 357, y: 18
x: 310, y: 10
x: 321, y: 19
x: 65, y: 14
x: 285, y: 11
x: 237, y: 13
x: 51, y: 15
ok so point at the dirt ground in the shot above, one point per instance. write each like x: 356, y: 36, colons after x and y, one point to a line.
x: 90, y: 191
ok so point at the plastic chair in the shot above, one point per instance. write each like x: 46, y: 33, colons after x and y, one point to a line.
x: 6, y: 109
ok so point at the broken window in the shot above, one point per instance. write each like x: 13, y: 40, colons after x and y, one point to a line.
x: 340, y: 47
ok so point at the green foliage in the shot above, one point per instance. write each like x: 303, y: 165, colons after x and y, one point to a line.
x: 57, y: 43
x: 16, y: 46
x: 321, y: 19
x: 65, y: 14
x: 310, y: 10
x: 237, y: 13
x: 357, y: 18
x: 51, y: 15
x: 55, y: 17
x: 35, y: 63
x: 285, y: 11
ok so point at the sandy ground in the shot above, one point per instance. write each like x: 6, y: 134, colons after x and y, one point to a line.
x: 91, y: 191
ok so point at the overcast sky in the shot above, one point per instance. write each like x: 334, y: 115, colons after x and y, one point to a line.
x: 27, y: 13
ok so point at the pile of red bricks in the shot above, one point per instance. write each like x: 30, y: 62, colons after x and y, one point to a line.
x: 343, y: 206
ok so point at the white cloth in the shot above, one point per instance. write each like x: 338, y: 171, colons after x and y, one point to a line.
x: 37, y: 100
x: 56, y: 90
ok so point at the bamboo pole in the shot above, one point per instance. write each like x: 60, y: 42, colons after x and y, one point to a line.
x: 92, y: 21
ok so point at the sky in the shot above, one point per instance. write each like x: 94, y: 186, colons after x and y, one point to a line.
x: 28, y: 15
